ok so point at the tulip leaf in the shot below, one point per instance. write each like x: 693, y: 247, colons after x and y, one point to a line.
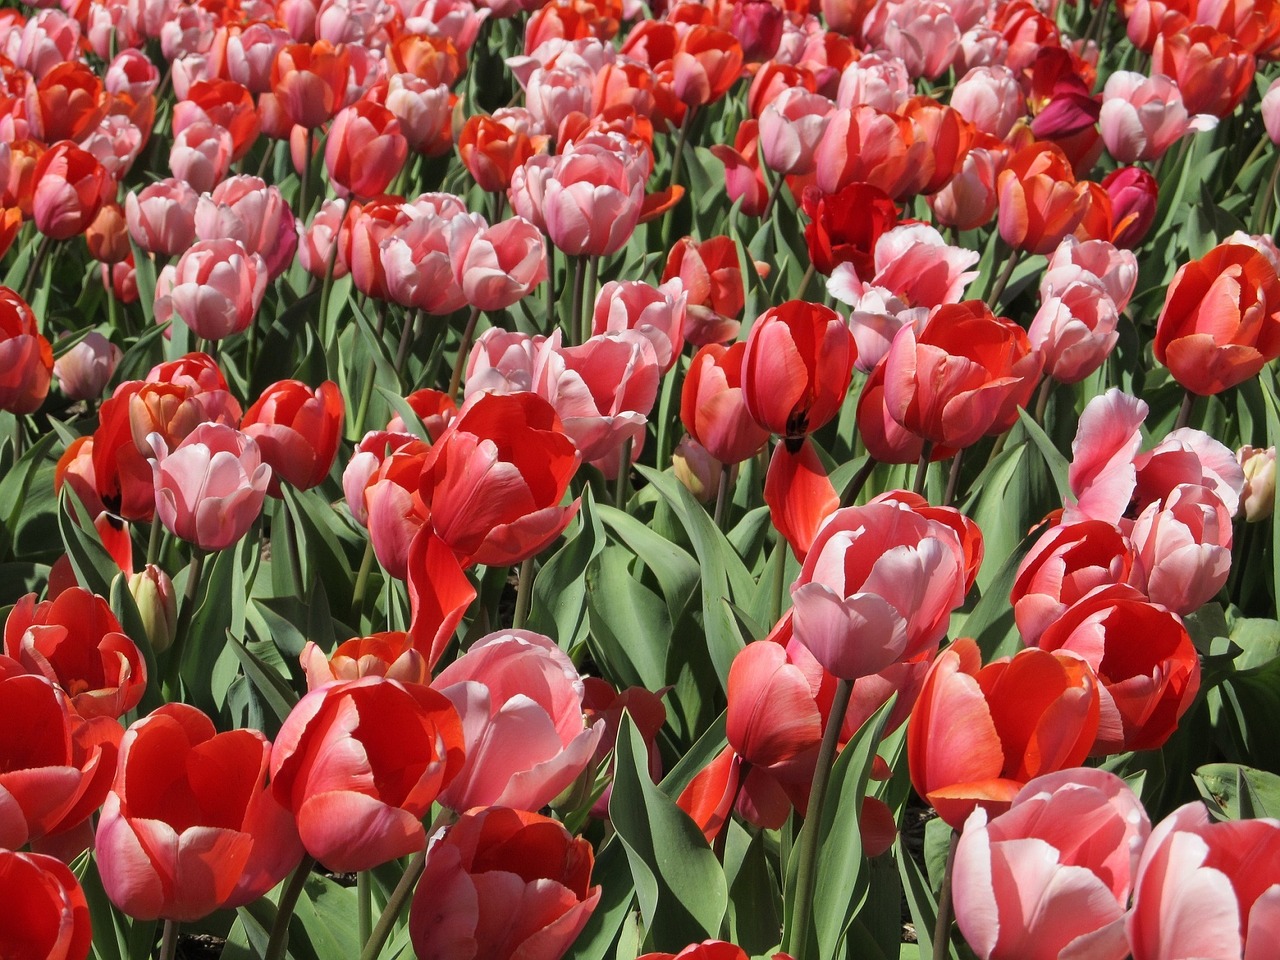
x: 842, y: 877
x: 110, y: 929
x: 1239, y: 792
x: 1053, y: 458
x: 676, y: 571
x: 679, y: 882
x: 705, y: 749
x: 319, y: 527
x: 921, y: 904
x: 630, y: 630
x: 272, y: 687
x: 15, y: 486
x: 753, y: 921
x: 220, y: 610
x: 612, y: 874
x: 559, y: 607
x: 325, y: 910
x: 93, y: 566
x: 1273, y: 438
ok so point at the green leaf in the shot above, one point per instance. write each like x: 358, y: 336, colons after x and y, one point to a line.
x: 677, y: 572
x: 1058, y: 464
x: 630, y: 630
x: 1239, y: 792
x: 93, y: 566
x: 325, y: 910
x: 921, y: 904
x: 679, y: 882
x: 612, y: 874
x: 15, y: 485
x: 559, y: 607
x: 273, y: 688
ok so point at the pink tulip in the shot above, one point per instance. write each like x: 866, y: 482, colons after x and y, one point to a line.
x: 504, y: 361
x: 216, y: 288
x: 496, y: 265
x: 315, y: 250
x: 84, y: 370
x: 969, y: 200
x: 424, y: 111
x: 914, y: 264
x: 591, y: 202
x: 161, y: 216
x: 1074, y: 330
x: 244, y: 208
x: 250, y: 52
x: 874, y: 80
x: 1142, y: 117
x: 1271, y: 110
x: 1257, y: 500
x: 1116, y: 270
x: 553, y: 94
x: 458, y: 20
x: 1050, y: 878
x: 520, y: 699
x: 1207, y: 890
x: 418, y: 268
x: 656, y: 313
x: 791, y: 127
x: 877, y: 587
x: 364, y: 149
x: 991, y: 99
x: 210, y: 488
x: 1183, y: 545
x: 201, y: 155
x: 923, y: 34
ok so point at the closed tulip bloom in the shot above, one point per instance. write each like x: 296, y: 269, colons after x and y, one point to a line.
x: 26, y: 358
x: 502, y: 884
x: 1145, y: 685
x: 707, y: 62
x: 76, y: 642
x: 496, y: 265
x: 948, y: 382
x: 520, y: 699
x: 886, y: 439
x: 656, y: 313
x: 1050, y: 878
x: 161, y: 216
x: 66, y: 104
x: 297, y: 430
x: 1133, y: 194
x: 1213, y: 71
x: 1206, y: 890
x: 978, y: 734
x: 1115, y: 269
x: 153, y: 594
x: 864, y: 145
x: 969, y: 200
x: 706, y: 950
x: 713, y: 405
x: 1074, y: 330
x: 359, y: 763
x: 242, y: 208
x: 743, y: 179
x: 877, y: 587
x: 50, y: 918
x: 201, y: 155
x: 790, y: 128
x: 190, y: 825
x: 364, y: 150
x: 310, y: 81
x: 55, y: 766
x: 495, y: 480
x: 797, y: 367
x: 1220, y: 323
x: 1183, y: 546
x: 491, y: 148
x: 424, y: 111
x: 991, y: 99
x: 1257, y: 500
x: 224, y: 103
x: 210, y: 488
x: 1142, y: 117
x: 1040, y: 201
x: 84, y: 370
x: 591, y: 203
x: 70, y: 187
x: 845, y: 227
x: 1066, y: 563
x: 217, y: 287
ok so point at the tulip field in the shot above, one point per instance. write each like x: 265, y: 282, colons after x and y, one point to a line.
x: 639, y: 479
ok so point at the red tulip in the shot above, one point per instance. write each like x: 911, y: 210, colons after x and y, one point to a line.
x: 1212, y: 69
x: 492, y: 147
x: 70, y: 187
x: 297, y: 429
x: 388, y: 654
x: 978, y: 734
x: 711, y: 276
x: 310, y: 81
x: 797, y: 368
x: 1146, y: 685
x: 26, y: 358
x: 1220, y: 323
x: 359, y: 762
x: 364, y: 149
x: 48, y: 914
x: 224, y: 103
x: 706, y: 950
x: 190, y: 825
x: 67, y: 103
x: 76, y: 642
x: 799, y: 494
x: 713, y: 405
x: 845, y: 226
x: 502, y: 885
x: 1040, y: 201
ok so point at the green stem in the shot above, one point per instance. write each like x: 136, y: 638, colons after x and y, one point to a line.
x: 1260, y: 224
x: 676, y: 158
x: 464, y: 348
x: 859, y: 481
x: 807, y: 869
x: 326, y: 289
x: 279, y: 939
x: 371, y: 377
x: 579, y: 284
x: 1184, y: 412
x: 1042, y: 400
x: 549, y: 291
x: 922, y: 468
x: 722, y: 495
x: 33, y: 271
x: 153, y: 542
x: 776, y: 189
x: 364, y: 904
x: 942, y: 929
x: 305, y: 200
x: 291, y: 542
x: 805, y: 281
x: 395, y: 905
x: 1002, y: 281
x: 524, y: 594
x: 589, y: 299
x: 624, y: 470
x: 173, y: 674
x: 362, y: 583
x: 953, y: 478
x: 407, y: 337
x: 169, y: 940
x: 779, y: 585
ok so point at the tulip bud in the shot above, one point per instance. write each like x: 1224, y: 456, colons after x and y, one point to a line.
x: 152, y: 592
x: 697, y: 469
x: 86, y: 368
x: 1258, y: 498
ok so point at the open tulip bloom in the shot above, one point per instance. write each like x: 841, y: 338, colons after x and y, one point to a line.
x: 684, y: 480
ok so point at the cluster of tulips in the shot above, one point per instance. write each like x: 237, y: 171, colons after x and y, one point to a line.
x: 547, y: 479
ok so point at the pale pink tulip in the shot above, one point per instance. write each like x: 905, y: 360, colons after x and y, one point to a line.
x: 84, y: 370
x: 1183, y: 545
x: 418, y: 268
x: 315, y: 250
x: 1074, y: 330
x: 161, y: 216
x: 969, y: 200
x: 657, y: 313
x: 505, y: 361
x: 201, y: 155
x: 244, y: 208
x: 1142, y: 117
x: 876, y: 81
x: 496, y: 265
x: 591, y: 202
x: 216, y: 288
x: 1257, y: 500
x: 991, y: 99
x: 1115, y: 269
x: 790, y: 128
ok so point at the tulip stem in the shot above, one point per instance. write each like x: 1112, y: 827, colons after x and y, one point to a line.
x: 1042, y: 400
x: 362, y: 582
x: 942, y: 929
x: 722, y: 495
x: 922, y: 468
x: 805, y: 281
x: 169, y: 940
x: 676, y: 158
x: 305, y: 196
x: 173, y: 674
x: 1002, y: 281
x: 524, y: 594
x: 859, y: 481
x: 807, y: 869
x: 589, y: 298
x: 326, y: 288
x: 549, y: 320
x: 395, y: 906
x: 364, y: 904
x: 773, y: 197
x: 290, y: 541
x: 1184, y: 412
x: 779, y: 578
x: 579, y: 285
x: 153, y: 542
x: 407, y: 337
x: 953, y: 478
x: 33, y: 270
x: 464, y: 348
x: 279, y: 939
x: 1260, y: 224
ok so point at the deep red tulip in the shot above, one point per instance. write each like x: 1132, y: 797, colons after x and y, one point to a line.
x: 49, y: 916
x: 297, y: 429
x: 26, y: 357
x: 358, y: 763
x: 76, y: 642
x: 503, y: 885
x: 978, y: 734
x: 190, y: 825
x: 845, y: 226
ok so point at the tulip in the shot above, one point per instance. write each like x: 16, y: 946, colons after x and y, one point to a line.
x: 877, y: 587
x: 242, y: 208
x: 1074, y: 330
x: 710, y: 273
x: 706, y: 950
x: 1220, y: 323
x: 310, y: 81
x: 1183, y: 546
x: 969, y: 200
x: 885, y: 439
x: 978, y: 734
x: 1143, y: 117
x: 153, y: 595
x: 517, y: 690
x: 707, y: 62
x: 83, y: 371
x: 496, y: 265
x: 297, y: 430
x: 743, y: 179
x: 424, y: 111
x: 1145, y: 687
x: 67, y: 103
x: 502, y: 884
x: 1213, y: 71
x: 656, y: 313
x: 591, y: 203
x: 696, y: 469
x: 201, y: 155
x: 190, y: 825
x: 864, y: 145
x: 359, y: 762
x: 1116, y: 270
x: 364, y: 150
x: 844, y: 227
x: 26, y: 358
x: 76, y: 642
x: 492, y: 148
x: 1133, y: 193
x: 797, y: 368
x: 216, y: 288
x: 947, y: 383
x: 991, y: 99
x: 50, y: 919
x: 70, y: 187
x: 1258, y: 498
x: 224, y: 103
x: 1206, y: 890
x: 790, y: 128
x: 1068, y: 845
x: 1040, y: 201
x: 210, y: 488
x: 799, y: 494
x: 387, y: 654
x: 713, y: 405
